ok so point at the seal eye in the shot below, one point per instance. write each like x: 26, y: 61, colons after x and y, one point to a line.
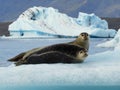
x: 81, y: 51
x: 82, y: 35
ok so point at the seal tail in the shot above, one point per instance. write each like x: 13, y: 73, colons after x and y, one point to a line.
x: 16, y: 58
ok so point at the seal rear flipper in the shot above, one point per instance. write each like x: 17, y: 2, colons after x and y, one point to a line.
x: 20, y: 62
x: 16, y: 58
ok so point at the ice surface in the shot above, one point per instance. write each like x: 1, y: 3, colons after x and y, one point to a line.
x: 100, y: 68
x: 42, y: 21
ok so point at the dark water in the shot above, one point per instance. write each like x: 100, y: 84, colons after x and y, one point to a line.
x: 62, y: 88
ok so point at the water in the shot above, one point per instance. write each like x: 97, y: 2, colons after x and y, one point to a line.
x: 62, y: 88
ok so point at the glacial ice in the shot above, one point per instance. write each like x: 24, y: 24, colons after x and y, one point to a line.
x: 42, y: 21
x: 112, y: 43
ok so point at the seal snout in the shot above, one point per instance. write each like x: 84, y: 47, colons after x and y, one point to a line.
x: 86, y: 54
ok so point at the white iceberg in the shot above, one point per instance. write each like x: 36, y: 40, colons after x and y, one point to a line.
x: 42, y: 21
x: 112, y: 43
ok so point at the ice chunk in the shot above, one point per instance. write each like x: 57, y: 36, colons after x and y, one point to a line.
x: 112, y: 43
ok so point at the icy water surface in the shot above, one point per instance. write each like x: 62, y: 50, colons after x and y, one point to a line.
x: 11, y: 47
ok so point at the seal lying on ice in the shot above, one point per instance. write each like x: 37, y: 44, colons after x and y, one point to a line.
x: 58, y: 53
x: 82, y: 41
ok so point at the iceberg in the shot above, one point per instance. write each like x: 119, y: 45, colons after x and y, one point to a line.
x: 112, y: 43
x: 91, y: 20
x: 45, y: 22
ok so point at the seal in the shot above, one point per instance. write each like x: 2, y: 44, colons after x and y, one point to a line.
x: 82, y: 40
x: 56, y: 54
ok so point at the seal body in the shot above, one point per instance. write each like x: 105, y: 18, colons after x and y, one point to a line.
x: 63, y: 48
x: 58, y: 53
x: 70, y: 48
x: 52, y: 57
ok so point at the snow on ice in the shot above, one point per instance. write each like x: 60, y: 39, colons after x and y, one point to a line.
x: 42, y: 21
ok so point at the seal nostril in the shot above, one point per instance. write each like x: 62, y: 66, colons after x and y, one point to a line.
x: 86, y: 54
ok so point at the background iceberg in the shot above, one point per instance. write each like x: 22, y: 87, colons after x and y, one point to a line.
x: 112, y: 43
x: 42, y: 21
x: 91, y: 20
